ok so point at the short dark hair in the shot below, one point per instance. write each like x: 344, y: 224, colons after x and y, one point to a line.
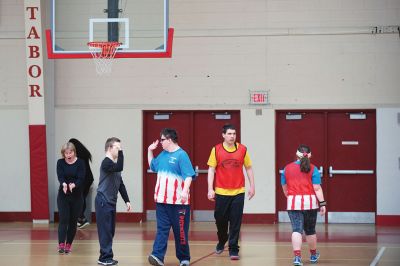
x: 170, y: 133
x: 226, y: 127
x: 110, y: 142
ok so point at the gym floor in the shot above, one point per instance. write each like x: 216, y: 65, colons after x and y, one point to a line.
x: 339, y: 244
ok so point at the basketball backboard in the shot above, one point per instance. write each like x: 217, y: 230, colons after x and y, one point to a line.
x: 140, y: 26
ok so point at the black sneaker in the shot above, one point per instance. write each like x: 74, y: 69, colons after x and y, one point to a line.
x: 219, y: 248
x: 184, y: 263
x: 153, y: 260
x: 234, y: 255
x: 61, y: 248
x: 107, y: 262
x: 83, y: 224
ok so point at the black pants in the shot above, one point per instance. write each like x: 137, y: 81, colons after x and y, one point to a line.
x: 105, y: 219
x: 69, y: 209
x: 228, y: 215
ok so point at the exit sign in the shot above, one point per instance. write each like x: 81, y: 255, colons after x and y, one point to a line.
x: 259, y: 97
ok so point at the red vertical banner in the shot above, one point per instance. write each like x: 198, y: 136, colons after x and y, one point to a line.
x: 36, y: 102
x: 38, y: 172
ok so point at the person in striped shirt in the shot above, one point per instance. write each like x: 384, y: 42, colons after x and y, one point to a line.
x: 301, y: 184
x: 172, y: 196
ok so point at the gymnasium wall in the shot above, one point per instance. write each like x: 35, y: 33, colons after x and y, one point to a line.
x: 388, y: 161
x: 308, y: 54
x: 258, y: 134
x: 14, y: 157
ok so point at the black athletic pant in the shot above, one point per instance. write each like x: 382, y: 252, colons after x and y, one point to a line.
x: 69, y: 209
x: 105, y: 220
x: 228, y: 215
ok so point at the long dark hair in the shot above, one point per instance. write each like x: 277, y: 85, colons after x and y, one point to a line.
x: 304, y: 160
x: 81, y: 151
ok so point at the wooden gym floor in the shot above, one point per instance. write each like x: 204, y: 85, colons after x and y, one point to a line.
x: 24, y: 244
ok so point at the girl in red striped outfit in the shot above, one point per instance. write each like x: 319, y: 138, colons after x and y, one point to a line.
x: 301, y: 183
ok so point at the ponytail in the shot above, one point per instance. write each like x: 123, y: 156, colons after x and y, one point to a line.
x: 304, y: 154
x: 305, y: 165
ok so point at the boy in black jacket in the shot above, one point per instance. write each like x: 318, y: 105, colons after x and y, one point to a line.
x: 110, y: 182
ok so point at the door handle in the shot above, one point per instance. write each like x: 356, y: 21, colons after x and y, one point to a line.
x: 321, y: 170
x: 349, y: 172
x: 200, y: 171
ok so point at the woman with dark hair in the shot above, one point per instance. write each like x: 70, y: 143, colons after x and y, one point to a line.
x: 301, y: 184
x: 83, y: 153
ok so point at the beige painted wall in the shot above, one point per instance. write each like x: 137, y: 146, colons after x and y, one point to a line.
x: 260, y: 141
x: 388, y: 161
x: 14, y: 158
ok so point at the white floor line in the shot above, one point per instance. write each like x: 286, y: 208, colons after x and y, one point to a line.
x: 378, y: 256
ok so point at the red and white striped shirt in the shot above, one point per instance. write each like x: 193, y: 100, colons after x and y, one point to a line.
x: 172, y: 169
x: 301, y: 194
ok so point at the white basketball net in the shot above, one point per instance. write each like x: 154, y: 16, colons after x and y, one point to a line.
x: 103, y: 54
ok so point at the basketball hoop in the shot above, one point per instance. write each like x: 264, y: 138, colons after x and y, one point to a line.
x: 103, y: 53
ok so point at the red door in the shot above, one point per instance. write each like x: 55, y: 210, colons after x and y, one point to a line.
x: 344, y: 144
x: 352, y: 167
x: 207, y: 133
x: 293, y: 129
x: 198, y: 132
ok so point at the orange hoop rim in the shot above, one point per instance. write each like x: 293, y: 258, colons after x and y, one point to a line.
x: 103, y: 44
x: 102, y: 53
x: 107, y: 49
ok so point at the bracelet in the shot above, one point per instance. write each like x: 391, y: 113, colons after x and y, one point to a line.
x: 322, y: 203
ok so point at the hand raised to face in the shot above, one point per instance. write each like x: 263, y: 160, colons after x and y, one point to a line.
x: 153, y: 145
x: 117, y: 145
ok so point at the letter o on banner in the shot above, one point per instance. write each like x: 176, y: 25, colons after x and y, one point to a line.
x: 38, y: 71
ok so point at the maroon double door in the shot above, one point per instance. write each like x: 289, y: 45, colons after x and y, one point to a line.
x: 198, y: 132
x: 343, y: 145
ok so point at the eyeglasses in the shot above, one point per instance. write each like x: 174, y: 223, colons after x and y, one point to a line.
x: 161, y: 140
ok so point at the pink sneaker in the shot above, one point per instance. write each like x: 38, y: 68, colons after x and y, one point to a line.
x: 61, y: 248
x: 68, y: 248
